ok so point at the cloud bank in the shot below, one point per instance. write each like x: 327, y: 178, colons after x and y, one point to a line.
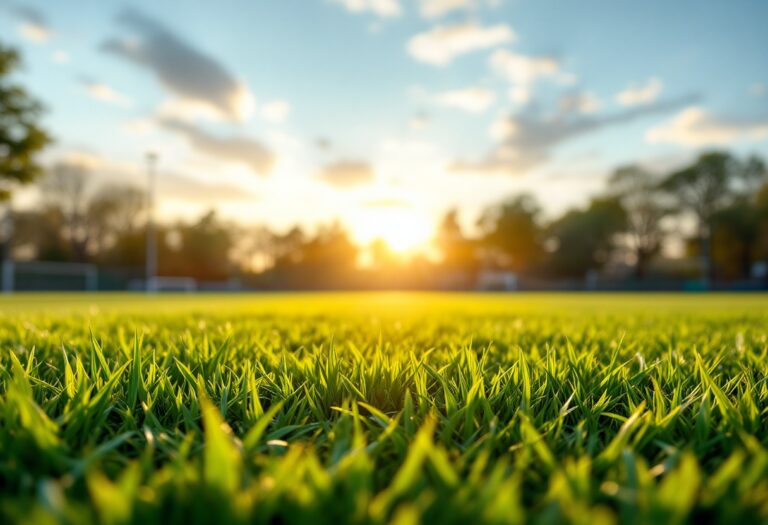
x: 240, y: 150
x: 528, y: 140
x: 181, y: 68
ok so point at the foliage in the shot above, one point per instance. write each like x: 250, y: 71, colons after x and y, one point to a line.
x: 512, y: 228
x: 585, y: 238
x: 21, y: 137
x: 715, y: 181
x: 638, y: 192
x: 384, y: 408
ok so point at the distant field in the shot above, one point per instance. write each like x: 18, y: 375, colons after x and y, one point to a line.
x: 384, y: 408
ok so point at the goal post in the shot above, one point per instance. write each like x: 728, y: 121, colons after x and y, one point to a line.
x: 48, y: 276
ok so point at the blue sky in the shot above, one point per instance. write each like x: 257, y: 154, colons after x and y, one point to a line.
x: 376, y: 111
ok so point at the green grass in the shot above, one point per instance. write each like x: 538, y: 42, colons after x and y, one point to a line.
x: 384, y: 408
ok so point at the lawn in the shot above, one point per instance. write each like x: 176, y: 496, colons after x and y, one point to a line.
x: 384, y: 408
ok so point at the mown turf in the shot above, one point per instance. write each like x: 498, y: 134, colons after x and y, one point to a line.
x: 384, y: 408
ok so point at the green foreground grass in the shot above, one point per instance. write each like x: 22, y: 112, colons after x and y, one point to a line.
x: 384, y: 408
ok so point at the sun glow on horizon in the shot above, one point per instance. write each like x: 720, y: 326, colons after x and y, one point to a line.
x: 403, y: 229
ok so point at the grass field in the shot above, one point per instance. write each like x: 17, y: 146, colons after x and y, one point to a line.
x: 384, y: 408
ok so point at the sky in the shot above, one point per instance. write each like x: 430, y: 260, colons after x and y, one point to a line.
x: 384, y: 114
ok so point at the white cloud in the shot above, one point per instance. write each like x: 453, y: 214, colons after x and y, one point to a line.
x: 34, y: 26
x: 383, y: 8
x: 106, y: 93
x: 438, y: 8
x: 60, y: 57
x: 522, y: 72
x: 471, y: 99
x: 637, y: 94
x: 34, y: 32
x: 694, y: 127
x: 430, y: 9
x: 139, y: 127
x: 443, y: 43
x: 275, y: 111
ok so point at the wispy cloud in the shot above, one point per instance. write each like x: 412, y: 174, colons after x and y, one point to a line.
x: 473, y: 99
x: 522, y: 72
x: 440, y: 45
x: 638, y: 94
x: 34, y: 26
x: 236, y: 149
x: 695, y: 127
x: 184, y: 70
x: 382, y: 8
x: 61, y: 57
x: 187, y: 189
x: 172, y: 185
x: 105, y: 93
x: 438, y: 8
x: 275, y: 111
x: 582, y: 102
x: 347, y: 173
x: 529, y: 139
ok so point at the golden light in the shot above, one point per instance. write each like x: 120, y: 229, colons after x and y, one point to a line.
x: 403, y: 229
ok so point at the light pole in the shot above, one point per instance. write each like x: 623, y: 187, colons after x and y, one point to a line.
x: 151, y: 258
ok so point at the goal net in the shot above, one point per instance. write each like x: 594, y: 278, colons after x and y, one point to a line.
x: 48, y: 276
x: 163, y: 284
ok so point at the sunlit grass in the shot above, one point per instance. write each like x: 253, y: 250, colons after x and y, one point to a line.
x: 377, y: 408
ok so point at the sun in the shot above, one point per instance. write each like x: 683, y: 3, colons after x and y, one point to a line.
x: 404, y: 230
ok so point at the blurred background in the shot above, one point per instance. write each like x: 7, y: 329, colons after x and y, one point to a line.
x: 384, y: 144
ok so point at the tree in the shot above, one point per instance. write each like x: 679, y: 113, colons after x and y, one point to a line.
x: 113, y: 211
x: 735, y: 231
x: 285, y: 249
x: 458, y: 253
x: 512, y: 232
x: 202, y: 251
x: 708, y: 185
x: 584, y: 239
x: 331, y: 252
x: 638, y: 192
x: 21, y: 137
x: 90, y: 222
x: 64, y: 192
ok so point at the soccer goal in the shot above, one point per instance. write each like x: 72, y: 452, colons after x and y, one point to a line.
x: 163, y: 284
x: 172, y: 284
x: 48, y: 276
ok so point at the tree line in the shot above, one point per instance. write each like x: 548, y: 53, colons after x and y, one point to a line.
x: 629, y: 223
x: 621, y: 231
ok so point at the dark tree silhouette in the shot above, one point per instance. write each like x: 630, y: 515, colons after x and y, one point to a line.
x: 638, y: 192
x: 584, y: 239
x: 706, y: 187
x: 512, y: 232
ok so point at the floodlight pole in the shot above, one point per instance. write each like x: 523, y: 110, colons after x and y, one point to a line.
x: 151, y: 257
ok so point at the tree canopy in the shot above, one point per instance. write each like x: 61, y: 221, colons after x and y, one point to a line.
x: 21, y: 136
